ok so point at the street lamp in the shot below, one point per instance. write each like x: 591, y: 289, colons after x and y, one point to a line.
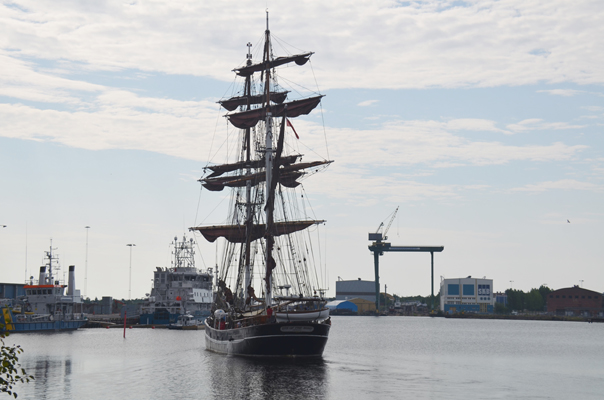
x: 86, y: 264
x: 511, y: 286
x: 130, y: 275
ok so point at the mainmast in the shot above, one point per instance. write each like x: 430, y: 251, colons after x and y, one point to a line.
x: 249, y: 220
x: 50, y: 258
x: 269, y: 262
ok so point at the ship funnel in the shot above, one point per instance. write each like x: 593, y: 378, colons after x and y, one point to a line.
x: 42, y: 279
x: 71, y: 282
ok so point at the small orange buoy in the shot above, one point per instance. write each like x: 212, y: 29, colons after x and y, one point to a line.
x: 130, y: 327
x: 152, y: 327
x: 107, y: 327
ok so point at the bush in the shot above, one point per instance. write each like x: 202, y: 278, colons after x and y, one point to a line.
x: 10, y: 370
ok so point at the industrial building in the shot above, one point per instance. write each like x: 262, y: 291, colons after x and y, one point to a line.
x: 347, y: 290
x: 502, y: 298
x: 11, y: 290
x: 575, y: 301
x: 466, y: 295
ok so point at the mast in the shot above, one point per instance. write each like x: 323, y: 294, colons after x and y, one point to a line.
x: 50, y: 257
x: 269, y: 169
x: 248, y: 186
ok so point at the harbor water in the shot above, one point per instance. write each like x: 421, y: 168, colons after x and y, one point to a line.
x: 365, y: 358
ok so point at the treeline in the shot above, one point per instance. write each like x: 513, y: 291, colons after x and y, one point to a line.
x: 534, y: 300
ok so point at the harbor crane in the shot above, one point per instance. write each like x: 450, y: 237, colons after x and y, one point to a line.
x: 378, y: 247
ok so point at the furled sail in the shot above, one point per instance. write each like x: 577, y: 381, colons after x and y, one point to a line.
x: 287, y: 177
x: 248, y: 70
x: 249, y: 119
x: 236, y: 233
x: 218, y: 170
x: 234, y: 102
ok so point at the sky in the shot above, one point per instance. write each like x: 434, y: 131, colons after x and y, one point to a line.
x: 482, y: 120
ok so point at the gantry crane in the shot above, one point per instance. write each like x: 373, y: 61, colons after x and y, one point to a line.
x: 378, y: 247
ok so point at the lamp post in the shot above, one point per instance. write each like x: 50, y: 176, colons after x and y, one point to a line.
x: 511, y: 286
x: 130, y: 274
x: 86, y: 264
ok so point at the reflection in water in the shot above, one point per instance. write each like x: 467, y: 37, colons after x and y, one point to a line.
x: 253, y: 378
x: 52, y: 377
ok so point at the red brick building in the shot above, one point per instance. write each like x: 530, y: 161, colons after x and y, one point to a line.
x: 574, y: 300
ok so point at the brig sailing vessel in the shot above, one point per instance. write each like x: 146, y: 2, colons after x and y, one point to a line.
x: 267, y: 238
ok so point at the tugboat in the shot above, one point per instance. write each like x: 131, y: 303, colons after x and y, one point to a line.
x: 267, y: 243
x: 45, y: 306
x: 187, y: 322
x: 179, y: 290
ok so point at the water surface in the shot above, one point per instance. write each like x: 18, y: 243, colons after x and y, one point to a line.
x: 365, y: 358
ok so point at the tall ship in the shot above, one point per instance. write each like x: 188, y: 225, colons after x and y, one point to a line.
x: 269, y: 298
x: 179, y: 290
x: 49, y: 305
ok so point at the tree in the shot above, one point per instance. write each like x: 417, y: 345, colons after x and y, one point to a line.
x: 11, y: 372
x: 500, y: 308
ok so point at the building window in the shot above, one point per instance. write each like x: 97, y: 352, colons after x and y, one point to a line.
x: 582, y: 297
x: 468, y: 290
x: 563, y: 296
x: 453, y: 290
x: 557, y: 296
x: 589, y: 297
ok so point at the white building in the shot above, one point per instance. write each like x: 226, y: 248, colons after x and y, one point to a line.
x: 467, y: 295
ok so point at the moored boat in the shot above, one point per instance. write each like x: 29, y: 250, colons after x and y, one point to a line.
x: 187, y: 322
x: 48, y: 305
x: 179, y: 290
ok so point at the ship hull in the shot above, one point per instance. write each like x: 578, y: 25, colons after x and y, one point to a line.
x: 47, y: 326
x: 297, y: 339
x: 158, y: 319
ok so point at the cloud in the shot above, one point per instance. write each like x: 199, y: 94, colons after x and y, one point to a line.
x: 564, y: 184
x: 360, y: 44
x: 568, y: 92
x: 538, y: 124
x: 430, y: 143
x: 562, y: 92
x: 367, y: 103
x: 472, y: 124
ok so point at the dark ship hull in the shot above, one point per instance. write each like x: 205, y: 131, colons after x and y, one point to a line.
x: 287, y: 339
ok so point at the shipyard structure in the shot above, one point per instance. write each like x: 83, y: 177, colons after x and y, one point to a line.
x: 466, y: 295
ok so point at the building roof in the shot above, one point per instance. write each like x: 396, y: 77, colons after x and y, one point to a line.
x: 575, y: 288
